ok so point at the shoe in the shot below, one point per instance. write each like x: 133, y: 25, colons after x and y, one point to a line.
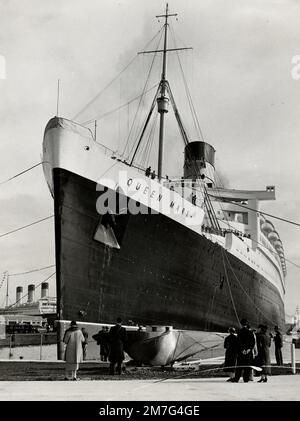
x: 265, y: 380
x: 262, y: 381
x: 229, y: 380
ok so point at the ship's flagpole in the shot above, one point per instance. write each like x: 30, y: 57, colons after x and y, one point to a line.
x: 58, y: 91
x: 7, y: 296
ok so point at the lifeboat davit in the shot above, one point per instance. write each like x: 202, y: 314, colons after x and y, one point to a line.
x: 262, y: 219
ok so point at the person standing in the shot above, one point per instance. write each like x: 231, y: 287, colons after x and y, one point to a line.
x: 102, y: 338
x: 231, y: 346
x: 148, y: 171
x: 278, y: 341
x: 263, y: 357
x: 117, y: 339
x: 104, y: 344
x: 73, y: 339
x: 245, y: 344
x: 254, y: 353
x: 85, y: 343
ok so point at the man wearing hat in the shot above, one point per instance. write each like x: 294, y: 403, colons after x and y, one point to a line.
x: 278, y: 345
x: 245, y: 345
x: 74, y: 340
x: 118, y: 338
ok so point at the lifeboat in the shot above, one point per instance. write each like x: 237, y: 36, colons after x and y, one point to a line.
x: 278, y: 245
x: 267, y: 227
x: 273, y: 236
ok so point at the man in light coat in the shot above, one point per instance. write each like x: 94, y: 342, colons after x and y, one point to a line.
x: 74, y: 340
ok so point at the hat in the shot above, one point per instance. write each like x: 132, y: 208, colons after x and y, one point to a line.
x: 73, y: 323
x: 119, y: 320
x: 244, y: 322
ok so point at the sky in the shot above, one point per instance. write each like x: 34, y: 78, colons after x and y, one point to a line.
x: 241, y: 79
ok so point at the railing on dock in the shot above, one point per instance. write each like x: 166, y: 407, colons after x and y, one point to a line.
x: 43, y: 347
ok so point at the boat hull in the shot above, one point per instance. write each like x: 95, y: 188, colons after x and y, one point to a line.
x: 163, y: 273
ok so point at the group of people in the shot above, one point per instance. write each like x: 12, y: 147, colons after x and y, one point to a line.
x: 111, y: 341
x: 248, y: 348
x: 223, y: 231
x: 150, y: 173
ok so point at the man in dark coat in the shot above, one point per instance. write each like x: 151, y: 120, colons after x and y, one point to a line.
x: 263, y: 348
x: 278, y: 345
x: 230, y: 344
x: 102, y: 339
x: 118, y: 338
x: 245, y: 343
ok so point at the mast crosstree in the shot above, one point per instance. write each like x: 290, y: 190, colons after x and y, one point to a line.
x: 163, y: 90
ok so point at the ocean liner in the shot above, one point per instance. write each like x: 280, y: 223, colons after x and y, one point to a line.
x: 182, y: 258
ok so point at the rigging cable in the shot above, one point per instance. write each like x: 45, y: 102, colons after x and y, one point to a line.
x: 191, y: 104
x: 31, y: 271
x: 112, y: 81
x: 260, y: 244
x: 195, y: 342
x: 230, y: 292
x: 139, y: 104
x: 107, y: 113
x: 247, y: 293
x: 193, y: 111
x: 258, y: 211
x: 237, y: 278
x: 26, y: 226
x: 146, y: 151
x: 20, y: 173
x: 273, y: 216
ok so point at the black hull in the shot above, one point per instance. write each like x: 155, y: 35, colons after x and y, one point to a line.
x: 163, y: 273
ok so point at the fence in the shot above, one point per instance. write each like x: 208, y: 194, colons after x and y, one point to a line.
x: 43, y: 346
x: 36, y: 346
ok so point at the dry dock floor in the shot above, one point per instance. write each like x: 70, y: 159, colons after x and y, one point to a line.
x: 279, y: 388
x: 40, y: 381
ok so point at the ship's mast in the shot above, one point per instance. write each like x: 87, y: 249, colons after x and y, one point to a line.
x: 163, y: 100
x: 163, y: 89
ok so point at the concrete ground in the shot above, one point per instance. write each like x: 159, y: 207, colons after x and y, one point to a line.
x: 278, y: 388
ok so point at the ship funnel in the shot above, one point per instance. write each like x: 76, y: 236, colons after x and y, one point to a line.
x: 31, y: 290
x: 44, y: 289
x: 19, y: 293
x: 199, y: 159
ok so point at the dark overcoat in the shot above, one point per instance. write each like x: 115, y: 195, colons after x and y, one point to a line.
x: 231, y: 346
x: 102, y: 339
x: 263, y: 347
x: 246, y: 343
x: 278, y: 340
x: 117, y: 340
